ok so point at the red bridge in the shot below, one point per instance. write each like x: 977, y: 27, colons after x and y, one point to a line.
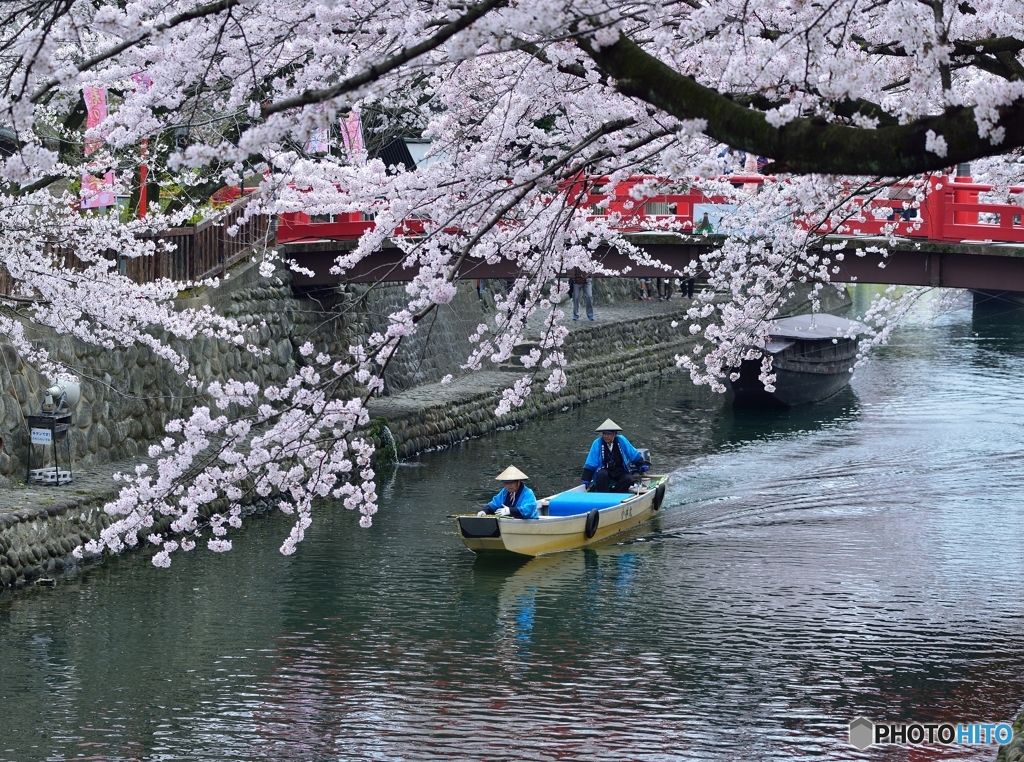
x: 952, y: 240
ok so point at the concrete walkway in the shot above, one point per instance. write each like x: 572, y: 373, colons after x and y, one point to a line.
x: 88, y: 487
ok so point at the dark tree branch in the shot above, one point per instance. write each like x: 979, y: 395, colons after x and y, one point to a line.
x: 991, y: 45
x: 201, y: 11
x: 804, y: 145
x: 376, y: 71
x: 845, y: 108
x: 961, y: 48
x: 1012, y: 64
x: 993, y: 65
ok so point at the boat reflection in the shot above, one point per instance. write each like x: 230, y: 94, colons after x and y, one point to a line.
x: 574, y: 584
x: 735, y: 427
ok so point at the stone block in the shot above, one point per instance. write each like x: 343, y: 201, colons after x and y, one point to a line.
x: 102, y: 437
x: 82, y: 414
x: 284, y: 352
x: 11, y: 358
x: 21, y: 389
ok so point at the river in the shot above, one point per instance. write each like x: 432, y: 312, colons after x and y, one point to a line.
x: 860, y: 556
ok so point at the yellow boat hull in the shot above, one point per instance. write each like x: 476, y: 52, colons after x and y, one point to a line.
x: 551, y: 534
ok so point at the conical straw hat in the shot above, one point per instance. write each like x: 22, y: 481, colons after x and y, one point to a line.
x: 511, y: 474
x: 609, y: 425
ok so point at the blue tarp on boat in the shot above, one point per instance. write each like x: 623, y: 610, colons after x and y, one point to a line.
x: 572, y: 503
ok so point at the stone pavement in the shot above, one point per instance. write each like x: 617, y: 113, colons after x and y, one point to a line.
x: 482, y: 381
x: 88, y: 487
x: 619, y: 312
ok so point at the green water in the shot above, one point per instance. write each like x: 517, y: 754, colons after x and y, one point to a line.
x: 858, y: 556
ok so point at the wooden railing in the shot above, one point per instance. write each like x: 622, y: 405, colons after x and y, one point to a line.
x: 195, y: 253
x: 202, y: 251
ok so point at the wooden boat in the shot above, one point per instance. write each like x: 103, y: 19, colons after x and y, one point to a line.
x: 812, y: 356
x: 569, y: 520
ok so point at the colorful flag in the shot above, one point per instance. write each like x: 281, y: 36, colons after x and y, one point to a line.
x: 96, y: 192
x: 352, y: 135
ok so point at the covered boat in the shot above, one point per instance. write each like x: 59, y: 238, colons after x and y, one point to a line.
x: 571, y: 519
x: 812, y: 356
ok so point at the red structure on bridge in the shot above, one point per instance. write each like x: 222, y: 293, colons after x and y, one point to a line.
x: 952, y: 239
x: 951, y: 213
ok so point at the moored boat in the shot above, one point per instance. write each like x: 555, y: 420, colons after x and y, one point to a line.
x: 812, y: 356
x: 569, y: 520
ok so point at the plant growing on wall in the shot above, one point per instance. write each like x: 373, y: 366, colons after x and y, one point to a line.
x: 518, y: 99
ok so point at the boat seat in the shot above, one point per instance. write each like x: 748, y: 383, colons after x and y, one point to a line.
x: 573, y: 503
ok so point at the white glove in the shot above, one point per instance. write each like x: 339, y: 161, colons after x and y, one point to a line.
x: 503, y: 511
x: 481, y: 513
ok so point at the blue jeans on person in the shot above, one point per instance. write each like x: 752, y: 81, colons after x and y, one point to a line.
x: 588, y: 298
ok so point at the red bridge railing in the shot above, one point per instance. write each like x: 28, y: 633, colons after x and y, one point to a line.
x: 951, y: 213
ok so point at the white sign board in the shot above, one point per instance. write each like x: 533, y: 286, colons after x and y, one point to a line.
x: 42, y: 436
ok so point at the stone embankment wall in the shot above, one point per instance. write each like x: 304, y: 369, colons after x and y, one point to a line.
x: 128, y: 395
x: 38, y: 540
x: 603, y: 358
x: 441, y: 343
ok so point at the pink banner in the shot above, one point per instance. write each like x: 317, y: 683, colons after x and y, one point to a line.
x: 95, y: 113
x: 352, y: 134
x: 96, y: 192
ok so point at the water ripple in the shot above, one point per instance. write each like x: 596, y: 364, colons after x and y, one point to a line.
x: 856, y: 557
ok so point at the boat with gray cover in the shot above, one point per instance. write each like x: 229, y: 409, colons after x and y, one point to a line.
x: 812, y: 358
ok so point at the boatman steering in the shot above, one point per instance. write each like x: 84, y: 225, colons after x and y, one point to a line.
x: 611, y: 460
x: 515, y: 499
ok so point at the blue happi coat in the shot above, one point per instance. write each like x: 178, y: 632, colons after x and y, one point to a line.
x: 595, y: 460
x: 524, y: 506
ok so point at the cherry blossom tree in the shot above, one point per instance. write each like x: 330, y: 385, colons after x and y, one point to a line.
x: 520, y: 100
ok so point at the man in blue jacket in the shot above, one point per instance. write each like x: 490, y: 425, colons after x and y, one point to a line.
x: 610, y: 461
x: 515, y: 499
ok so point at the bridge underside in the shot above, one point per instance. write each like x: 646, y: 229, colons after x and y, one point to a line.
x: 965, y: 265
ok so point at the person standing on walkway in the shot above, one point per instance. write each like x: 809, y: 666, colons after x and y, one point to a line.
x: 582, y: 284
x: 515, y: 499
x: 645, y: 289
x: 610, y: 461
